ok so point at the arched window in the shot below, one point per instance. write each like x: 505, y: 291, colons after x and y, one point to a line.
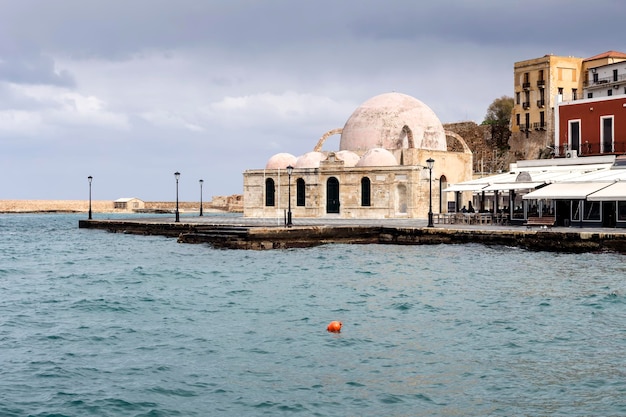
x: 300, y: 192
x: 366, y: 192
x: 269, y: 193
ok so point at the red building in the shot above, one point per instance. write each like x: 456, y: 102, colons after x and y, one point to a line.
x: 594, y: 126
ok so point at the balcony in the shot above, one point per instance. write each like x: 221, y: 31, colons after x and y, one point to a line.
x: 602, y: 82
x: 591, y: 149
x: 526, y: 105
x: 541, y: 103
x: 526, y: 86
x: 524, y: 127
x: 541, y: 83
x: 539, y: 126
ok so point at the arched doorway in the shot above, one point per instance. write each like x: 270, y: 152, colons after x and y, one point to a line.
x: 443, y: 196
x: 332, y: 195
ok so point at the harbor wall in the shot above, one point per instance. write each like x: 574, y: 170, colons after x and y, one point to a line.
x: 260, y: 238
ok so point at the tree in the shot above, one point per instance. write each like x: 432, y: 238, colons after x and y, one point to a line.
x: 499, y: 111
x: 499, y: 116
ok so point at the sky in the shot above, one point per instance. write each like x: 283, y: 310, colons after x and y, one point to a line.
x: 131, y: 91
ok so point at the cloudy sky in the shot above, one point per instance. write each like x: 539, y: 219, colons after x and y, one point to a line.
x: 130, y: 91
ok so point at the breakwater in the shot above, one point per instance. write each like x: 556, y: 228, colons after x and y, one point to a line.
x: 234, y: 234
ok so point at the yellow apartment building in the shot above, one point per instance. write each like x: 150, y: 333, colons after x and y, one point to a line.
x: 538, y: 83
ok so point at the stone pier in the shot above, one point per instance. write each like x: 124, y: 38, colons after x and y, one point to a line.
x: 260, y: 234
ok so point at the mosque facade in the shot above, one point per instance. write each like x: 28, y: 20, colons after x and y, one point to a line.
x: 379, y: 171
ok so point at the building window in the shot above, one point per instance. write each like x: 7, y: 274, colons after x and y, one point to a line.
x: 589, y: 95
x: 615, y: 75
x: 561, y: 91
x: 366, y: 192
x: 517, y: 119
x: 592, y: 210
x: 607, y: 134
x: 576, y: 210
x: 542, y: 120
x: 574, y: 135
x: 574, y: 93
x: 269, y: 193
x: 300, y: 192
x: 526, y: 103
x: 527, y: 122
x: 595, y: 77
x: 517, y: 98
x: 609, y: 93
x: 621, y: 210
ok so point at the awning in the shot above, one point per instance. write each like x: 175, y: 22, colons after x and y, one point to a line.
x: 461, y: 187
x: 615, y: 191
x: 566, y: 191
x: 513, y: 186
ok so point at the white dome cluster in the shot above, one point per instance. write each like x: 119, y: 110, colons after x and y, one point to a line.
x: 380, y: 125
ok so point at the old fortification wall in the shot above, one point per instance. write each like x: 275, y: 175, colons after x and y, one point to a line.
x: 232, y: 203
x: 479, y: 139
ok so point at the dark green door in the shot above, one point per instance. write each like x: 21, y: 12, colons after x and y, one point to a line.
x: 332, y: 195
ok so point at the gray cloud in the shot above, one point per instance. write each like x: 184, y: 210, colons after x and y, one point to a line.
x: 33, y: 69
x: 131, y: 91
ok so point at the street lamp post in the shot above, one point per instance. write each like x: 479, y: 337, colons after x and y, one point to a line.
x: 177, y: 176
x: 289, y: 171
x: 201, y: 182
x: 90, y: 178
x: 429, y: 163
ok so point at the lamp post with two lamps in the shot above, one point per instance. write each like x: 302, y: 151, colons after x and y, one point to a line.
x: 289, y: 171
x: 90, y: 178
x: 201, y: 182
x: 430, y: 162
x: 177, y: 176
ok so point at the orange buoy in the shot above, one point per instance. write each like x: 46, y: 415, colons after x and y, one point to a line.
x: 334, y: 326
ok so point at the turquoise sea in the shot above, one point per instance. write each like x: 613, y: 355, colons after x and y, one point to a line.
x: 100, y: 324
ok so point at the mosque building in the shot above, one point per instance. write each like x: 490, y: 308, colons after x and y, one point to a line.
x: 379, y: 171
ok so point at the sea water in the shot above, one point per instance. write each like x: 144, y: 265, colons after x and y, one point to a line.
x: 100, y: 324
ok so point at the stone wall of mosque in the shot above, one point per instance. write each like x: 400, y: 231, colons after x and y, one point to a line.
x: 401, y: 191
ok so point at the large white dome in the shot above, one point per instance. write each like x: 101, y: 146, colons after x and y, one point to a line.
x: 393, y: 121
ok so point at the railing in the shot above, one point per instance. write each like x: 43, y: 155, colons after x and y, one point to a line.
x: 541, y: 103
x: 524, y: 127
x: 601, y: 82
x: 590, y: 149
x: 539, y: 126
x: 541, y: 83
x: 526, y: 86
x: 526, y: 105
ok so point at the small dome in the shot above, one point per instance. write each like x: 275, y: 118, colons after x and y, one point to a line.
x: 349, y: 158
x: 377, y: 157
x: 310, y: 160
x: 393, y: 121
x: 281, y: 161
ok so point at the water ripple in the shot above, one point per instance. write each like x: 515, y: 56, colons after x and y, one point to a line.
x: 93, y: 323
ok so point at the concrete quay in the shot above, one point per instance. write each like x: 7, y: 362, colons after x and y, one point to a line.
x: 236, y: 232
